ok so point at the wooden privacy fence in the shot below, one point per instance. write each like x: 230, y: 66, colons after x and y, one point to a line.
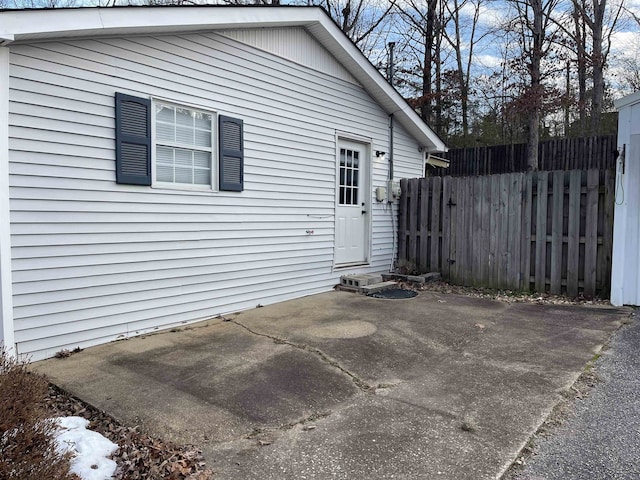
x: 560, y: 154
x: 542, y: 231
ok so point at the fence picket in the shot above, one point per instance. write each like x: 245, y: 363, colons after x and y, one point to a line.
x: 515, y: 197
x: 591, y: 233
x: 541, y: 231
x: 573, y: 236
x: 525, y: 249
x: 445, y: 228
x: 435, y: 223
x: 557, y: 232
x: 423, y: 247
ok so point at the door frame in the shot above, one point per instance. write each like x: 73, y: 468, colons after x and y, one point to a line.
x: 366, y: 183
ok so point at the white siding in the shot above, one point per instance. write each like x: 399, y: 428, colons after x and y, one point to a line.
x: 94, y: 261
x: 293, y: 44
x: 625, y: 275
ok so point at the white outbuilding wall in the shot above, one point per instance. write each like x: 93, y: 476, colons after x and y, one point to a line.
x: 94, y: 261
x: 625, y: 277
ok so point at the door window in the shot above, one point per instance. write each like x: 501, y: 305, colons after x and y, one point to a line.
x: 349, y: 169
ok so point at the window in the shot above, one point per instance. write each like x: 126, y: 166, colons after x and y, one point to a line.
x: 349, y: 168
x: 183, y: 144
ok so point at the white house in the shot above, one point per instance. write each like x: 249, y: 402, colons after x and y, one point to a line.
x: 163, y: 165
x: 625, y: 270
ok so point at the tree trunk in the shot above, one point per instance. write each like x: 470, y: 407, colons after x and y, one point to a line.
x: 597, y: 60
x: 581, y: 59
x: 535, y: 91
x: 426, y: 111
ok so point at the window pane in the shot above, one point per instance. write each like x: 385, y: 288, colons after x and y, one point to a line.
x: 349, y: 158
x: 165, y: 113
x: 348, y: 177
x: 202, y: 159
x: 184, y: 175
x: 355, y: 178
x: 202, y: 176
x: 184, y: 157
x: 356, y: 156
x: 203, y: 121
x: 342, y: 157
x: 355, y: 196
x: 164, y: 155
x: 184, y: 135
x: 184, y: 117
x: 341, y: 200
x: 203, y: 138
x: 165, y: 132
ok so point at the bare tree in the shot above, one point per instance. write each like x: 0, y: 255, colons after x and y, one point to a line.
x: 532, y: 28
x: 422, y: 33
x: 463, y: 35
x: 358, y: 19
x: 40, y: 3
x: 589, y: 33
x: 602, y: 22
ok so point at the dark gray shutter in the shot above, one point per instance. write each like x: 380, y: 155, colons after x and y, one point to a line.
x: 133, y: 140
x: 231, y: 147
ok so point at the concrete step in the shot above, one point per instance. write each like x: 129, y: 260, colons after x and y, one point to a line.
x: 358, y: 281
x: 378, y: 287
x: 420, y: 279
x: 365, y: 283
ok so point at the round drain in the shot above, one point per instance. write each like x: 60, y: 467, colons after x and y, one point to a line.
x: 394, y: 294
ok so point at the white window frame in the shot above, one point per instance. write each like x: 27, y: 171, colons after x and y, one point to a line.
x: 213, y: 186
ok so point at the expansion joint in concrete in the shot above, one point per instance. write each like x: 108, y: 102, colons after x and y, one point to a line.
x: 361, y: 384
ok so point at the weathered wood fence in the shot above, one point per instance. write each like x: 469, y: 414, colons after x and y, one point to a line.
x: 581, y: 153
x: 542, y: 231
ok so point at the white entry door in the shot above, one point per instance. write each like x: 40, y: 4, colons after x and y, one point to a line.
x: 352, y: 203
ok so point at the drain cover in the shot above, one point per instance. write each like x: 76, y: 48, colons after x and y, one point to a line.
x: 394, y: 294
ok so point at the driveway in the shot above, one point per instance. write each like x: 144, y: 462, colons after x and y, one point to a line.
x: 343, y: 386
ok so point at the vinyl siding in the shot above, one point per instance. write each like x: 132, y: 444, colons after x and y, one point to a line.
x: 94, y: 261
x: 293, y: 44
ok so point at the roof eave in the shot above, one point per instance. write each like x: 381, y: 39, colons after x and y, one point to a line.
x: 36, y: 25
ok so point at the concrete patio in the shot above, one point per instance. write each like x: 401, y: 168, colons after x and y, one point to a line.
x: 343, y: 386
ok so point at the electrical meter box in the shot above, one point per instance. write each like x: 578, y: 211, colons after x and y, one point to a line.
x: 393, y: 190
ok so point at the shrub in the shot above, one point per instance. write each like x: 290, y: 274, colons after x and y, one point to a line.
x: 27, y: 446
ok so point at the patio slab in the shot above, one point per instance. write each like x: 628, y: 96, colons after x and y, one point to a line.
x: 345, y: 386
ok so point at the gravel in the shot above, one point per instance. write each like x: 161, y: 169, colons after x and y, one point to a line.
x: 598, y: 436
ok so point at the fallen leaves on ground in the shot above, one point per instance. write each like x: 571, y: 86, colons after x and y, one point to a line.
x: 507, y: 296
x: 140, y: 456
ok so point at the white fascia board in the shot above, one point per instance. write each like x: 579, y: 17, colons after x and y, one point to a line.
x: 7, y: 336
x: 628, y: 100
x: 332, y: 38
x: 26, y: 25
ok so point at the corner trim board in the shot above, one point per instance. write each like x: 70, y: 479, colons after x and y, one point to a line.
x: 7, y: 335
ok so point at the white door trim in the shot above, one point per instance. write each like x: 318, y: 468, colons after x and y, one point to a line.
x: 365, y: 195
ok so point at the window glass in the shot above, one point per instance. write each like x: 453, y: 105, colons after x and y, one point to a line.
x: 183, y: 145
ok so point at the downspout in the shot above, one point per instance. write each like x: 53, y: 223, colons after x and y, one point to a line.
x: 390, y: 79
x: 7, y: 336
x: 390, y: 160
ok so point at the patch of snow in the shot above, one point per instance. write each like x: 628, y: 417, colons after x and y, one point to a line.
x: 89, y: 449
